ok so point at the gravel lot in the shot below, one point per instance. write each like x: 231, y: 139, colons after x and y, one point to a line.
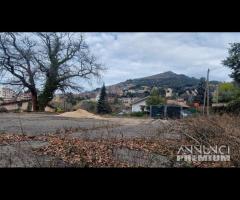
x: 36, y: 124
x: 21, y: 155
x: 42, y: 123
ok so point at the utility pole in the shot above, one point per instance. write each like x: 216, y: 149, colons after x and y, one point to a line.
x: 217, y: 91
x: 206, y: 95
x: 204, y: 100
x: 208, y: 92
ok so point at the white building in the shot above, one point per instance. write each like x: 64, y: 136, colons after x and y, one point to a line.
x: 139, y: 105
x: 6, y: 94
x: 97, y: 97
x: 127, y: 101
x: 24, y: 105
x: 169, y: 92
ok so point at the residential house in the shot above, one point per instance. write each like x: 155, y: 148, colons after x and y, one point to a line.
x: 178, y: 102
x: 6, y: 94
x: 139, y: 105
x: 24, y: 96
x: 127, y: 101
x: 169, y: 92
x: 189, y: 95
x: 23, y: 105
x: 115, y: 90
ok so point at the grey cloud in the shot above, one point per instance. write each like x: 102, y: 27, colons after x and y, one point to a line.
x: 133, y: 55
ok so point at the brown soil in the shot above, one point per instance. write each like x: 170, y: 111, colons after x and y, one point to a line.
x: 81, y: 114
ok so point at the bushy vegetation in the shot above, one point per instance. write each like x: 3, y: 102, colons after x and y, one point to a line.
x: 2, y: 109
x: 227, y: 92
x: 215, y: 130
x: 155, y: 98
x: 234, y: 107
x: 87, y: 105
x: 202, y: 130
x: 138, y: 114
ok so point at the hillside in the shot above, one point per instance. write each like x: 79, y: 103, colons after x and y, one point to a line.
x: 169, y: 79
x: 165, y: 80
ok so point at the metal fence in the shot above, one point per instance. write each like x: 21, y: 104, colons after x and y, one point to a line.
x: 165, y: 111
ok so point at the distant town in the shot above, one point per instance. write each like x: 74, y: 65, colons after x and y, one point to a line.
x: 124, y: 97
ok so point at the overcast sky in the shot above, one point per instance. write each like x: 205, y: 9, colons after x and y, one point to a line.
x: 135, y: 55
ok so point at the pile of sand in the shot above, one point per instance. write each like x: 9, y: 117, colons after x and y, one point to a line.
x: 81, y: 114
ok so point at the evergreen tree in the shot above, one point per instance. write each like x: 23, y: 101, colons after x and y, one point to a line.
x: 102, y: 106
x: 201, y: 90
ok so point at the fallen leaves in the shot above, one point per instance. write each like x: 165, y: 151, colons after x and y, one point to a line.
x: 99, y: 153
x: 10, y: 138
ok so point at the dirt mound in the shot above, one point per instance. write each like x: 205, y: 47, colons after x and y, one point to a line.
x: 80, y: 114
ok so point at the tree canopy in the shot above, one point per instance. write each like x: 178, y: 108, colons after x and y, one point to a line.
x: 226, y: 92
x: 233, y: 61
x: 46, y: 62
x: 155, y: 98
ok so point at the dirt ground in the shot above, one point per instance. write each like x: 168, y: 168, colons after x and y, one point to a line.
x: 39, y: 124
x: 50, y: 140
x: 42, y: 123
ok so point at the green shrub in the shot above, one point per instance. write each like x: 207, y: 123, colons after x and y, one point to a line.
x: 234, y: 107
x: 137, y: 114
x: 3, y: 109
x: 87, y: 105
x: 59, y: 110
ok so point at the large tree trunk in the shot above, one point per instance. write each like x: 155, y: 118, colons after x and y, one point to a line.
x: 34, y: 102
x: 49, y: 88
x: 46, y: 96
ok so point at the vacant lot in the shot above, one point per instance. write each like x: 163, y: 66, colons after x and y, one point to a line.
x: 38, y: 124
x: 35, y: 124
x: 47, y: 140
x: 24, y: 133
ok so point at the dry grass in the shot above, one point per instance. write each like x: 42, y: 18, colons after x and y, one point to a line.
x: 215, y: 130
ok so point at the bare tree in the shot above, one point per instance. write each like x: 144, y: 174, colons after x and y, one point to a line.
x: 16, y: 62
x: 64, y: 58
x: 60, y: 59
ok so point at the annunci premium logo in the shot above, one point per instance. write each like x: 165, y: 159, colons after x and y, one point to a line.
x: 199, y: 153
